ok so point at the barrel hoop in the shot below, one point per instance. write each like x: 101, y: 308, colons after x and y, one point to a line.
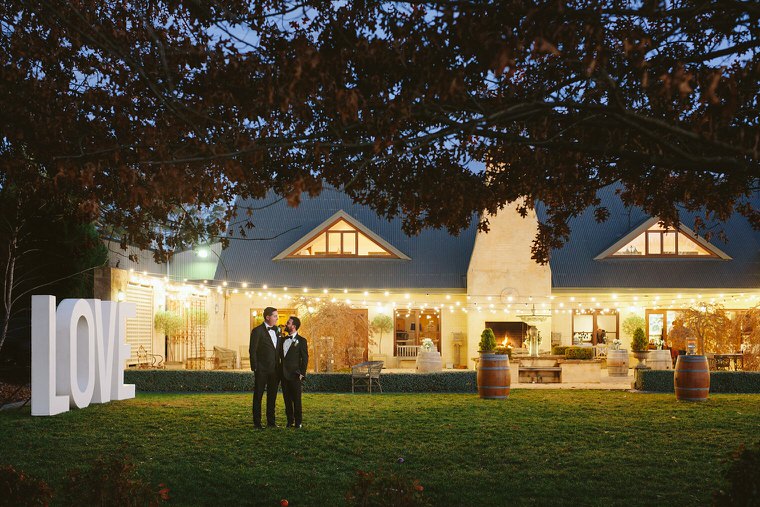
x: 692, y: 371
x: 693, y: 388
x: 493, y: 387
x: 500, y: 368
x: 686, y: 398
x: 498, y: 397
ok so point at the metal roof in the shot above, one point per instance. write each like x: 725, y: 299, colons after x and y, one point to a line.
x: 574, y: 266
x: 440, y: 260
x: 437, y: 260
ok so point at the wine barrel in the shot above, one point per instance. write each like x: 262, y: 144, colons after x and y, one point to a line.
x: 660, y: 360
x: 429, y: 361
x: 494, y: 379
x: 617, y: 363
x: 692, y: 378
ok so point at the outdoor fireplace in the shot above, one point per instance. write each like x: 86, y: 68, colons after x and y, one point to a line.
x: 516, y: 332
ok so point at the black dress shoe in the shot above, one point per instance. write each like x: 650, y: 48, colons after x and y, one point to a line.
x: 299, y: 426
x: 272, y: 426
x: 258, y: 427
x: 289, y: 425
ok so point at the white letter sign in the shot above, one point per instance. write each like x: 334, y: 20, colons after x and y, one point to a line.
x: 78, y: 353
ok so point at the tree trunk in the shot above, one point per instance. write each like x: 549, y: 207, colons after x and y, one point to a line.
x: 8, y: 279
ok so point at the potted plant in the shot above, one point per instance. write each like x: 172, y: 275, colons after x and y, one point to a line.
x: 381, y: 324
x: 493, y: 369
x: 639, y: 345
x: 171, y: 324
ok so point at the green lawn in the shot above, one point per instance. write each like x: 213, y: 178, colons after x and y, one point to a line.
x: 538, y: 447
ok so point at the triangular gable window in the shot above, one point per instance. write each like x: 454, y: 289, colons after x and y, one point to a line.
x: 653, y: 239
x: 341, y: 236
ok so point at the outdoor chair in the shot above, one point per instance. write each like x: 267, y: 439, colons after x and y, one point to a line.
x: 224, y: 358
x: 366, y: 374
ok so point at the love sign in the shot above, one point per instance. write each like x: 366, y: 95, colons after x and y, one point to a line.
x: 78, y: 353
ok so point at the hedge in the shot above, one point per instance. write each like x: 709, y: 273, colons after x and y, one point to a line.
x: 661, y: 381
x: 242, y: 381
x: 579, y: 353
x: 559, y: 350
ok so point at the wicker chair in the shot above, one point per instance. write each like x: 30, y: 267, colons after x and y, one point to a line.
x: 366, y: 374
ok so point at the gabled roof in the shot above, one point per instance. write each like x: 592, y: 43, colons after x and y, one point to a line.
x: 575, y: 265
x: 340, y: 215
x: 641, y: 229
x: 434, y: 258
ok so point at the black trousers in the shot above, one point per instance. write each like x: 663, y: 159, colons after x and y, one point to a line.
x: 265, y: 382
x: 291, y: 393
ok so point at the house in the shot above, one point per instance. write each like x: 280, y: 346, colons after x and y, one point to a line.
x: 439, y: 286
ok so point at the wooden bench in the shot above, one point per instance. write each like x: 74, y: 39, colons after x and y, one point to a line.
x: 540, y: 374
x: 365, y: 374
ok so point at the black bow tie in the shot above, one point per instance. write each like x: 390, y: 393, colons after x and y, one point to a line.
x: 273, y: 328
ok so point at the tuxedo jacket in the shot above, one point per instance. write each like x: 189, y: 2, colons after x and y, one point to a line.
x: 265, y: 356
x: 296, y: 360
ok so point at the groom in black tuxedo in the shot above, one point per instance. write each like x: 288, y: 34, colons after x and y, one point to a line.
x: 295, y: 359
x: 265, y: 349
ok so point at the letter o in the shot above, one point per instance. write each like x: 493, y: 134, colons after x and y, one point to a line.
x: 76, y: 334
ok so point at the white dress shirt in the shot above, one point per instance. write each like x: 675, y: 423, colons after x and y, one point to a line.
x: 288, y: 342
x: 273, y: 336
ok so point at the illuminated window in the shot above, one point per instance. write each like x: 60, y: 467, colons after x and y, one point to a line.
x: 341, y: 239
x: 660, y: 242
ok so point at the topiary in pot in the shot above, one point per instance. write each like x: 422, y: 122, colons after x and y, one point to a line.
x: 487, y: 340
x: 639, y: 343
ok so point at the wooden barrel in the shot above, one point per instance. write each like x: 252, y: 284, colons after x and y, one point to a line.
x: 429, y: 361
x: 494, y: 377
x: 660, y: 360
x: 617, y: 363
x: 692, y: 378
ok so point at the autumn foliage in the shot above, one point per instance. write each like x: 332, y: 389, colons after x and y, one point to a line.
x: 153, y: 116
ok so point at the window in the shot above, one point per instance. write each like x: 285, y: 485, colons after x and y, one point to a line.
x: 660, y: 242
x: 341, y: 239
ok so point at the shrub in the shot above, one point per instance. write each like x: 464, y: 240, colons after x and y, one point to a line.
x: 111, y: 482
x: 385, y: 489
x: 579, y: 353
x: 459, y: 381
x: 559, y: 350
x: 632, y: 323
x: 487, y: 340
x: 661, y: 381
x: 19, y: 490
x: 639, y: 342
x: 503, y: 350
x: 742, y: 478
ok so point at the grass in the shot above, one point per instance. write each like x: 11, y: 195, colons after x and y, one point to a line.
x: 539, y: 447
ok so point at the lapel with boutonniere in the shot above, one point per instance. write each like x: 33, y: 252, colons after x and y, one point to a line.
x: 295, y: 358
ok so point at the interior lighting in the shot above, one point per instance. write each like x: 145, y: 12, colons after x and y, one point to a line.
x: 264, y: 287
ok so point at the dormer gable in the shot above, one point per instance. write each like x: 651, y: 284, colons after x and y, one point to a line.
x: 652, y: 240
x: 341, y: 236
